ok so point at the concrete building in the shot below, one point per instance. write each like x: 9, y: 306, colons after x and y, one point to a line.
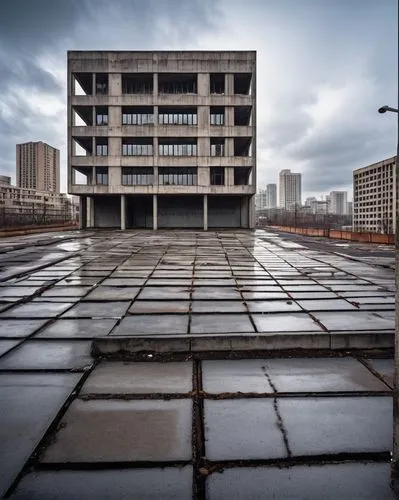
x: 290, y: 189
x: 374, y: 197
x: 38, y: 167
x: 163, y: 139
x: 261, y: 200
x: 339, y: 202
x: 5, y: 180
x: 271, y: 194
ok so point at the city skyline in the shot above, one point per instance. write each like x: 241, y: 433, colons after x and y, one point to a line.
x: 332, y: 65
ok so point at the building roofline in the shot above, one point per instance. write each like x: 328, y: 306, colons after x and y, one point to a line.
x: 376, y: 164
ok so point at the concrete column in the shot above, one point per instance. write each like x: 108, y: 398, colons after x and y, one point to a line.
x: 155, y: 85
x: 229, y: 116
x: 90, y: 212
x: 155, y: 212
x: 93, y: 84
x: 205, y: 212
x: 123, y: 212
x: 83, y: 213
x: 251, y: 212
x: 229, y: 84
x: 203, y: 84
x: 115, y: 84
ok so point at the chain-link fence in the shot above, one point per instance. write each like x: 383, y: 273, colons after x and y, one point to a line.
x: 34, y: 216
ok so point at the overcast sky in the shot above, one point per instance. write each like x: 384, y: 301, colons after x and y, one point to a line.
x: 324, y: 68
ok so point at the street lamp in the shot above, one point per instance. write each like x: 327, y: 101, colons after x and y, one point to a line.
x: 395, y: 452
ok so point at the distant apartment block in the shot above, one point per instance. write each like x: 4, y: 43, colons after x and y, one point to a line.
x: 374, y: 197
x: 339, y: 202
x: 38, y: 167
x: 261, y: 200
x: 163, y: 139
x: 290, y: 189
x: 271, y: 195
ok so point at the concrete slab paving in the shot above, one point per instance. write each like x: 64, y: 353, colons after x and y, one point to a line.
x: 140, y: 378
x: 355, y: 321
x: 104, y: 293
x: 221, y: 323
x: 321, y: 375
x: 20, y: 327
x: 159, y: 306
x: 271, y: 306
x: 170, y: 483
x: 327, y: 305
x: 29, y: 403
x: 385, y: 367
x: 66, y: 291
x: 317, y: 426
x: 166, y: 324
x: 168, y: 293
x: 218, y: 306
x: 242, y: 375
x: 45, y: 355
x: 349, y: 481
x: 6, y: 345
x: 97, y: 310
x: 295, y: 322
x: 32, y: 310
x: 77, y: 328
x: 215, y: 293
x: 123, y: 282
x: 123, y: 431
x: 234, y: 430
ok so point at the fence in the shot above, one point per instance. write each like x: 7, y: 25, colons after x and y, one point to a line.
x: 34, y: 216
x: 384, y: 239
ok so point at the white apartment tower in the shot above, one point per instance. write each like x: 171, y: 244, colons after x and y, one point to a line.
x: 339, y: 202
x: 290, y: 189
x: 163, y: 139
x: 374, y: 197
x: 271, y: 194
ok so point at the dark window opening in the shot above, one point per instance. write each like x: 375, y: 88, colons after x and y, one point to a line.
x: 82, y: 116
x: 101, y: 146
x: 137, y: 176
x: 101, y: 83
x: 82, y: 83
x: 137, y: 146
x: 217, y: 147
x: 241, y: 176
x: 217, y: 115
x: 217, y: 176
x: 185, y: 176
x: 242, y: 83
x: 242, y: 146
x: 177, y: 147
x: 101, y: 115
x: 177, y: 116
x: 82, y: 146
x: 177, y: 83
x: 137, y: 83
x: 216, y: 83
x: 102, y: 175
x: 137, y: 115
x: 242, y: 115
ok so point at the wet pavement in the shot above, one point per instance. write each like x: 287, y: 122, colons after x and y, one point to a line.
x: 309, y: 426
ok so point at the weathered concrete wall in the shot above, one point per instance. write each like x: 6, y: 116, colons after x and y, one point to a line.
x: 180, y: 211
x: 107, y: 211
x: 139, y: 212
x: 224, y: 211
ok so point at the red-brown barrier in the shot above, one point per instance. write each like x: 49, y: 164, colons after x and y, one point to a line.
x: 336, y: 234
x: 20, y: 231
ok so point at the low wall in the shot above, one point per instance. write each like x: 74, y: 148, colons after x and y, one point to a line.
x: 20, y: 231
x: 336, y: 234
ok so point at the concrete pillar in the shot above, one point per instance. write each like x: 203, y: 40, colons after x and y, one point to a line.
x: 83, y: 213
x: 229, y: 84
x: 205, y: 212
x: 123, y: 212
x: 155, y: 85
x: 90, y: 211
x: 203, y: 84
x: 115, y: 84
x: 251, y: 212
x: 155, y: 212
x: 229, y: 116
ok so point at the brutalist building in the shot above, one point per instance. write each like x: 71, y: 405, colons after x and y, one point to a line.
x: 163, y: 139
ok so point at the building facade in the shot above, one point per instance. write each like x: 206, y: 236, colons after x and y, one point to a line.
x: 290, y: 189
x: 163, y: 139
x: 339, y: 202
x: 38, y: 167
x: 261, y: 199
x: 374, y: 197
x: 271, y: 194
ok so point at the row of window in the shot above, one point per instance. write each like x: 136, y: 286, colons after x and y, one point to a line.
x: 163, y: 119
x: 144, y: 176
